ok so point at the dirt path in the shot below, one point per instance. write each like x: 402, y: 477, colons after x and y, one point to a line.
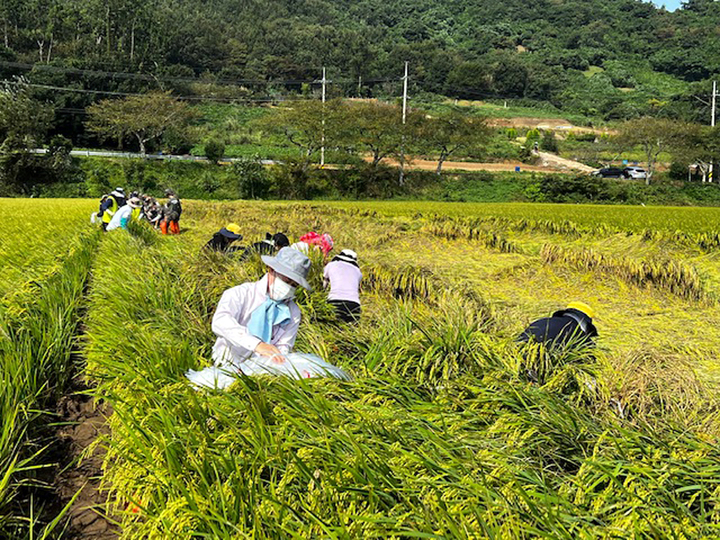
x: 552, y: 160
x: 428, y: 165
x: 537, y: 123
x: 83, y: 421
x: 550, y: 163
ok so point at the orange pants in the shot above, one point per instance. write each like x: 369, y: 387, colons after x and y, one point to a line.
x: 170, y: 227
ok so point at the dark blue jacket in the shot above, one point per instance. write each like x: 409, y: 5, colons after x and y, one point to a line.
x: 567, y: 325
x: 108, y: 203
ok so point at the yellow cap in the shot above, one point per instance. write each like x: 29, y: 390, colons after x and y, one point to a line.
x: 233, y: 228
x: 582, y: 306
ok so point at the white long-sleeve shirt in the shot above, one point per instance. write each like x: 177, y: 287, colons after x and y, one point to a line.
x: 123, y: 214
x: 234, y: 343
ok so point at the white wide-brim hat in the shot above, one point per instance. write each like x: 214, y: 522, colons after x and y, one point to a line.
x: 291, y: 264
x: 134, y: 203
x: 347, y: 255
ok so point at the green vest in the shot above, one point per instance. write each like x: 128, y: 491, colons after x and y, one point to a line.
x: 110, y: 212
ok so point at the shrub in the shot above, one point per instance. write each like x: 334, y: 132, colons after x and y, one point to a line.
x: 252, y: 179
x: 214, y: 150
x: 566, y: 188
x: 678, y: 171
x: 532, y: 135
x: 549, y: 142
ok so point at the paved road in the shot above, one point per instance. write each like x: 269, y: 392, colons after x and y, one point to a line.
x: 133, y: 155
x: 550, y: 162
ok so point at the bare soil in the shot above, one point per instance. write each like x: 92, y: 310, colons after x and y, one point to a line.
x: 552, y: 160
x: 559, y: 125
x: 429, y: 165
x: 508, y: 166
x: 531, y: 122
x: 82, y: 421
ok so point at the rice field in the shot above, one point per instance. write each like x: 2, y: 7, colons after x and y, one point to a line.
x: 46, y: 251
x: 439, y: 435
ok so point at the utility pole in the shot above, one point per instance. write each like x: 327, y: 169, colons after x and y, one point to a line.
x: 322, y: 148
x: 404, y: 119
x: 712, y: 124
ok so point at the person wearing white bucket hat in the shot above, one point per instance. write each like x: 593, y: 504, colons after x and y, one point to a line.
x: 256, y: 324
x: 261, y: 317
x: 129, y: 211
x: 343, y: 275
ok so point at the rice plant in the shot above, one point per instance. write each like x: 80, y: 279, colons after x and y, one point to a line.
x: 449, y: 428
x: 38, y: 324
x: 440, y: 434
x: 672, y: 275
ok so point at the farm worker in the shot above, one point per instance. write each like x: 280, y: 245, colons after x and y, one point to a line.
x: 130, y: 211
x: 153, y: 212
x: 171, y: 218
x: 261, y: 317
x: 343, y: 275
x: 102, y: 201
x: 108, y: 207
x: 570, y: 326
x: 222, y: 240
x: 95, y: 216
x: 323, y: 242
x: 268, y: 246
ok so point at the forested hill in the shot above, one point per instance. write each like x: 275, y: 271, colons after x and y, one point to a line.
x: 610, y: 57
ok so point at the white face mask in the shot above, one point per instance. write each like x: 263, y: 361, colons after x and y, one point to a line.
x: 279, y: 290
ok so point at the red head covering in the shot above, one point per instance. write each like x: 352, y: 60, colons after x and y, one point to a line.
x: 324, y: 241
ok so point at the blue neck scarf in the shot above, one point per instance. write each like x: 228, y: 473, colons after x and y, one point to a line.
x: 267, y: 315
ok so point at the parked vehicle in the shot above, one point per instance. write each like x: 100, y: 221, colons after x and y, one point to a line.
x: 635, y: 173
x: 609, y: 172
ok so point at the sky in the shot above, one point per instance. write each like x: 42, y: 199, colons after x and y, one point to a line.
x: 669, y: 4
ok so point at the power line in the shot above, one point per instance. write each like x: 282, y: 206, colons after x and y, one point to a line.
x: 147, y: 77
x: 184, y: 98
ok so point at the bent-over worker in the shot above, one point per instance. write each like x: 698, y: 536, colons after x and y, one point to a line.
x: 130, y: 211
x: 268, y: 246
x: 261, y: 317
x: 110, y: 205
x: 223, y: 239
x: 343, y: 275
x: 570, y: 326
x: 170, y: 222
x: 323, y: 242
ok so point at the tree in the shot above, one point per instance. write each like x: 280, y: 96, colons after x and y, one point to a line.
x: 374, y: 127
x: 450, y: 132
x: 252, y: 178
x: 703, y: 150
x: 654, y: 136
x: 145, y: 117
x: 24, y: 122
x: 549, y: 142
x: 21, y: 116
x: 214, y: 150
x: 307, y: 125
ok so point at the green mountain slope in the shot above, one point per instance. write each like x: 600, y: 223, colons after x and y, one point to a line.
x: 513, y: 49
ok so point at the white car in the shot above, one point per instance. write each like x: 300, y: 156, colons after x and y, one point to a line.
x: 636, y: 173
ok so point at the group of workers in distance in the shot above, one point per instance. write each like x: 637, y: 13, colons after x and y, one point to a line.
x: 116, y: 210
x: 256, y: 323
x: 341, y: 275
